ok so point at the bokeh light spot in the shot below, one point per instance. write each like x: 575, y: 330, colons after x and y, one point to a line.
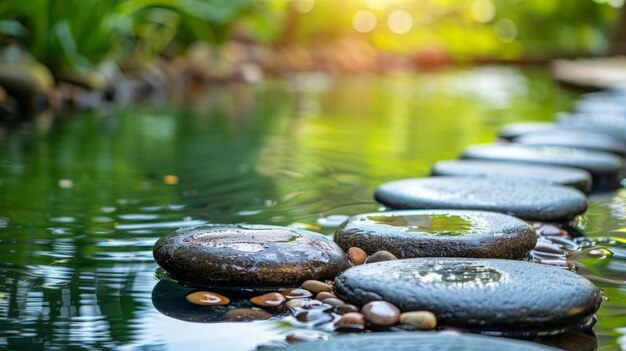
x: 303, y: 6
x: 505, y: 30
x: 400, y: 21
x: 364, y: 21
x: 483, y: 10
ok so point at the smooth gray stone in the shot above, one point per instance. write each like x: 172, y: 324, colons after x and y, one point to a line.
x: 565, y: 176
x: 565, y: 122
x: 523, y: 199
x: 607, y: 170
x: 609, y: 124
x: 477, y: 294
x: 575, y: 139
x: 418, y: 341
x: 248, y: 256
x: 438, y: 233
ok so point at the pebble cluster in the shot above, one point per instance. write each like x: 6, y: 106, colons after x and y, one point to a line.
x: 500, y: 178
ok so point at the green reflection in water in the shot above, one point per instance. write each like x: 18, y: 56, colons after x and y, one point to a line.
x: 435, y: 224
x: 82, y: 203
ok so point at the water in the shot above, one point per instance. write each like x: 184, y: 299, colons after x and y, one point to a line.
x: 84, y: 198
x: 434, y: 224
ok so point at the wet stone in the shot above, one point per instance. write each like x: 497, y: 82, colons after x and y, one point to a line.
x: 304, y: 336
x: 324, y: 295
x: 438, y: 233
x: 316, y: 286
x: 418, y: 342
x: 380, y: 256
x: 256, y: 256
x: 381, y: 313
x: 423, y: 320
x: 345, y: 308
x: 206, y: 298
x: 246, y: 315
x: 357, y: 256
x: 333, y: 301
x: 311, y: 318
x: 296, y: 293
x: 513, y: 297
x: 575, y: 139
x: 565, y: 176
x: 307, y: 304
x: 522, y: 199
x: 607, y: 170
x: 350, y: 322
x: 272, y: 299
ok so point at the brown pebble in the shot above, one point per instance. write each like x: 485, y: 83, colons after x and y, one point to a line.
x: 207, y: 298
x: 303, y: 336
x: 272, y: 299
x: 308, y: 304
x: 346, y: 308
x: 381, y: 313
x: 544, y: 229
x: 296, y: 293
x: 333, y: 301
x: 324, y: 295
x: 380, y: 256
x: 246, y: 315
x: 357, y: 255
x: 351, y: 321
x: 313, y: 317
x: 423, y: 320
x: 316, y: 286
x: 548, y: 247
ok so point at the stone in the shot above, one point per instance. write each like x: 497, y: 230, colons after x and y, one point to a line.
x: 306, y: 336
x: 419, y: 342
x: 357, y: 256
x: 207, y: 298
x: 564, y: 122
x: 516, y: 297
x: 333, y: 301
x: 272, y: 299
x: 565, y: 176
x: 296, y: 293
x: 575, y: 139
x: 345, y: 308
x: 381, y: 313
x: 255, y: 256
x: 324, y: 295
x: 246, y: 315
x: 307, y: 304
x: 423, y: 320
x: 607, y: 170
x: 351, y: 321
x: 312, y: 318
x: 315, y: 286
x: 526, y: 200
x: 380, y: 256
x: 439, y: 233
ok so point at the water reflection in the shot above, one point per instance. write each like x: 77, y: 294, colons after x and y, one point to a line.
x: 82, y: 204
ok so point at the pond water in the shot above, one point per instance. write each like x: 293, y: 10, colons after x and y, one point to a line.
x: 83, y: 199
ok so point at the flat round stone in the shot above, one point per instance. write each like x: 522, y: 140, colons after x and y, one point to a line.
x: 523, y: 199
x: 564, y: 122
x: 477, y: 294
x: 608, y: 124
x: 248, y: 256
x: 438, y: 233
x: 575, y: 139
x: 418, y: 342
x: 606, y: 169
x: 566, y: 176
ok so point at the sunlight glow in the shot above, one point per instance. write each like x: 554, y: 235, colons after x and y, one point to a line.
x: 364, y: 21
x: 400, y: 21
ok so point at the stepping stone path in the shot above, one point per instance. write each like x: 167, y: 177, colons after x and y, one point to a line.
x: 575, y: 139
x: 522, y: 199
x: 566, y: 122
x: 566, y: 176
x: 606, y: 169
x: 248, y: 256
x: 477, y: 294
x: 418, y: 342
x: 438, y: 233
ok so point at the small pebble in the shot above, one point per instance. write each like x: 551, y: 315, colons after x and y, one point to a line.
x: 296, y: 293
x: 206, y: 298
x: 423, y: 320
x: 303, y: 336
x: 357, y: 256
x: 333, y: 301
x: 272, y: 299
x: 307, y: 304
x: 559, y: 263
x: 324, y: 295
x: 346, y: 308
x: 316, y: 286
x: 548, y: 247
x: 380, y: 256
x: 246, y: 315
x: 313, y: 317
x: 381, y: 313
x: 351, y: 321
x: 544, y: 229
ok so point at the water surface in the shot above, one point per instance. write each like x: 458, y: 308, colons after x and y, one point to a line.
x: 83, y: 199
